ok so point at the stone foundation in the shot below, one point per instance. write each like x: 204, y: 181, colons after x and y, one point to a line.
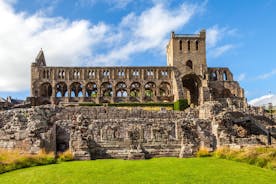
x: 106, y: 132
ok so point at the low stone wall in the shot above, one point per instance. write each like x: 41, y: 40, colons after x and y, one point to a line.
x: 106, y: 132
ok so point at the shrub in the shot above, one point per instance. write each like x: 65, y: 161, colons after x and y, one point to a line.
x: 259, y: 156
x: 65, y: 156
x: 17, y: 159
x: 203, y: 152
x: 181, y: 104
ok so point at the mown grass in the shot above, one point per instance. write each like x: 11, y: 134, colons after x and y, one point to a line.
x: 162, y: 170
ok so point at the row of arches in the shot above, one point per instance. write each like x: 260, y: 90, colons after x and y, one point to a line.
x: 220, y: 75
x: 106, y: 73
x: 106, y: 89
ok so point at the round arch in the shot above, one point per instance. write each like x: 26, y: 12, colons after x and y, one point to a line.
x: 192, y: 84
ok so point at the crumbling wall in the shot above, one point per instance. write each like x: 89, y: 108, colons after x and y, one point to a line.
x: 106, y: 132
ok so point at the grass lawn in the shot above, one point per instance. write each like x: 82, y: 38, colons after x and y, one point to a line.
x: 161, y: 170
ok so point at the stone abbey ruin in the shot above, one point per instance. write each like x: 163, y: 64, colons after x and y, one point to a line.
x: 218, y: 114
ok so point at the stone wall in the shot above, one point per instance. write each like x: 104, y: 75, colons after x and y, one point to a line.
x: 106, y: 132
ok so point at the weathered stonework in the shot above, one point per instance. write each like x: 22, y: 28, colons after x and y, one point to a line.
x: 186, y: 76
x: 105, y: 132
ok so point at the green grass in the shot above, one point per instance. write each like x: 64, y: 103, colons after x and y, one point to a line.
x: 161, y: 170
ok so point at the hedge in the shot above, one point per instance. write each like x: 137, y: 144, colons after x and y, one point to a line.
x: 123, y: 104
x: 181, y: 104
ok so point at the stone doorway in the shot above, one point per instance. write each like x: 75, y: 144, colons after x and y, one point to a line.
x: 191, y: 85
x: 62, y: 138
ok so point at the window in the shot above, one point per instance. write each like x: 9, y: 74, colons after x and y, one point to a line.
x: 135, y: 73
x: 121, y: 73
x: 105, y: 73
x: 180, y: 45
x: 189, y: 64
x: 164, y: 73
x: 196, y: 45
x: 224, y: 76
x: 150, y: 72
x: 189, y: 45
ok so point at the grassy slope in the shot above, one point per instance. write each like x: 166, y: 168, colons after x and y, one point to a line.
x: 162, y: 170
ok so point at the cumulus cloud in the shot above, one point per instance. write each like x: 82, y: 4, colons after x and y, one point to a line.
x: 264, y: 100
x: 22, y: 35
x: 77, y: 43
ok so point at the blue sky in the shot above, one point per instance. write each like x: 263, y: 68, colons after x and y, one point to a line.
x: 240, y: 35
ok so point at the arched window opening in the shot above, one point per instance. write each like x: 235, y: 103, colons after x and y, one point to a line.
x: 165, y: 89
x: 164, y: 73
x: 89, y: 74
x: 61, y: 89
x: 106, y: 89
x: 46, y: 90
x: 44, y: 74
x: 150, y: 89
x: 180, y: 45
x: 224, y: 76
x: 59, y: 74
x: 106, y: 73
x: 121, y: 93
x: 76, y: 89
x: 189, y: 45
x: 150, y: 73
x: 213, y: 76
x: 121, y: 89
x: 196, y: 45
x: 59, y: 94
x: 189, y: 64
x: 91, y: 90
x: 135, y: 73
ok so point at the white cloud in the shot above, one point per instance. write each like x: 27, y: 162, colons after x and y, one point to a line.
x: 263, y: 100
x: 22, y: 35
x: 214, y: 36
x: 149, y: 30
x: 267, y: 75
x: 220, y: 50
x: 76, y: 42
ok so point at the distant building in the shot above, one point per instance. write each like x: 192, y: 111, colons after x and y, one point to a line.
x: 186, y: 76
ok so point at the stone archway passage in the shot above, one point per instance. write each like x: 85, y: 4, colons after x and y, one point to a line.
x: 191, y: 84
x: 62, y: 138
